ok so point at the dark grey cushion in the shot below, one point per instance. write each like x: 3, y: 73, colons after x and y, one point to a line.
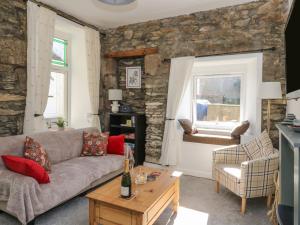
x: 240, y: 129
x: 187, y: 125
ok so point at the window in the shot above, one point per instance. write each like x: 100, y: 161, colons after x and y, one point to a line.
x: 57, y: 105
x: 217, y: 101
x: 59, y: 52
x: 57, y: 98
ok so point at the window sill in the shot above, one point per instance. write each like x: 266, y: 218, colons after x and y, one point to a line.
x: 215, y: 132
x: 211, y: 139
x: 62, y: 129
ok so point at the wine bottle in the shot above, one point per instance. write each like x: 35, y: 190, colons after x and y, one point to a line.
x: 126, y: 181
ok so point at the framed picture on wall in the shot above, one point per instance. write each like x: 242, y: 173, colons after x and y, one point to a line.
x: 133, y: 77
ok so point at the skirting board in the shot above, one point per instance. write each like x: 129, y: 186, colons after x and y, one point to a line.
x: 193, y: 173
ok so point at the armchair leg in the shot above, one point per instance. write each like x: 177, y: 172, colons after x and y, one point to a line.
x: 243, y: 207
x: 269, y: 200
x: 217, y: 186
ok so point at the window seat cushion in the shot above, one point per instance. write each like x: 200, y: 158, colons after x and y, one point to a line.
x: 211, y: 139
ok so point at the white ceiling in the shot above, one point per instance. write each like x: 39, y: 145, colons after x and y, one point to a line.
x: 106, y: 16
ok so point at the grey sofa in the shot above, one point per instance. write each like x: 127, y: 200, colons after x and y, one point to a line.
x: 71, y: 175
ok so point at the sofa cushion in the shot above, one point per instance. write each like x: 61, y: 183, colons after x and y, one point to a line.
x: 94, y: 144
x: 72, y: 176
x: 116, y: 145
x: 28, y: 199
x: 34, y: 151
x: 60, y: 145
x: 26, y: 167
x: 13, y: 145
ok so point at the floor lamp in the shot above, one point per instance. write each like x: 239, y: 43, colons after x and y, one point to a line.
x: 270, y: 91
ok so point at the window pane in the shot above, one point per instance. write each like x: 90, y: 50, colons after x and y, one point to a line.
x: 217, y: 98
x: 57, y: 96
x: 59, y: 52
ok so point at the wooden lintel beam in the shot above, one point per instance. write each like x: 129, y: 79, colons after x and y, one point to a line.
x: 132, y: 53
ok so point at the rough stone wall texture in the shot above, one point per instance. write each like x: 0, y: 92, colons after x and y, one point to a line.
x: 108, y: 80
x: 135, y: 97
x: 246, y: 27
x: 12, y: 66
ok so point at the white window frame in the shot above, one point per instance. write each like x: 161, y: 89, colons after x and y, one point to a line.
x: 66, y: 71
x: 249, y: 64
x: 215, y: 125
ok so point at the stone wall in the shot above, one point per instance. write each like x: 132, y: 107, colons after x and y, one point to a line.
x: 12, y: 66
x: 246, y: 27
x: 238, y: 28
x: 135, y: 97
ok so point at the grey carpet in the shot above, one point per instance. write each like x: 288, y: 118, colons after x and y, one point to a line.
x: 199, y: 205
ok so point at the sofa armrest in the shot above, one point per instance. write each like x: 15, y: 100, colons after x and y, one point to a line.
x: 233, y: 154
x: 257, y: 175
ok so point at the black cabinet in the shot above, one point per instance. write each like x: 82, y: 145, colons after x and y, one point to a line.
x: 133, y: 126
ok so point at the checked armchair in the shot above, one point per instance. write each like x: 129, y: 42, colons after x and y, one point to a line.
x: 247, y: 170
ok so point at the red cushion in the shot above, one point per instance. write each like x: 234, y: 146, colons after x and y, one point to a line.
x: 26, y: 167
x: 116, y: 145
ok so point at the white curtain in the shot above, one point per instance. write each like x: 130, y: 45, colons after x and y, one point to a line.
x: 93, y: 68
x: 40, y: 25
x: 180, y: 76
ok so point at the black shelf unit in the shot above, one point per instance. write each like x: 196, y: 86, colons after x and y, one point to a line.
x: 138, y: 127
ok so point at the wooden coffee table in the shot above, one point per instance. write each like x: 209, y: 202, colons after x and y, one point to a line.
x: 106, y: 207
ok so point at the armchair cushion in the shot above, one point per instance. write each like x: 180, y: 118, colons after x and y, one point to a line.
x: 233, y: 155
x: 259, y: 147
x: 229, y: 175
x: 233, y: 171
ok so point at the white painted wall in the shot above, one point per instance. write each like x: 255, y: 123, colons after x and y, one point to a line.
x: 196, y: 159
x: 293, y: 106
x: 79, y: 101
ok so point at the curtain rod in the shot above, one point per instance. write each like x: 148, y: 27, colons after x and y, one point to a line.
x: 67, y: 16
x: 233, y: 53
